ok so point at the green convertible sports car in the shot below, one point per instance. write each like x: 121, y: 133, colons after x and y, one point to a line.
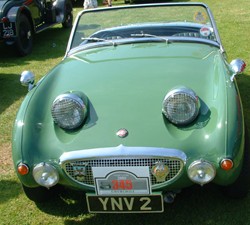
x: 143, y: 104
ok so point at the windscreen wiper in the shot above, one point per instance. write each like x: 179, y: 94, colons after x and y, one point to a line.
x: 149, y: 35
x: 94, y: 39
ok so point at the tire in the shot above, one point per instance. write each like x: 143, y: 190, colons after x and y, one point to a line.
x: 39, y: 194
x: 240, y: 188
x: 24, y: 42
x: 68, y: 17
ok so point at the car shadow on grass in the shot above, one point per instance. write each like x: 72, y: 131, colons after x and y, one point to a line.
x: 68, y: 203
x: 9, y: 190
x: 243, y: 81
x: 10, y: 91
x: 195, y: 205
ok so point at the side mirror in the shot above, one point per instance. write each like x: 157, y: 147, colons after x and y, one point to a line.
x: 238, y: 66
x: 27, y: 79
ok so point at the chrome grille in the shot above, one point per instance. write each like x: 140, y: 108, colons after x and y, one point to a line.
x: 81, y: 170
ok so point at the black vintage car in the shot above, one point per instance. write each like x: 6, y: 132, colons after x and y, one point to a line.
x: 21, y: 19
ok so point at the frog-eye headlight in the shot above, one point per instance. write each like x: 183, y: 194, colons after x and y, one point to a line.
x: 201, y: 172
x: 69, y: 111
x: 45, y: 175
x: 181, y: 106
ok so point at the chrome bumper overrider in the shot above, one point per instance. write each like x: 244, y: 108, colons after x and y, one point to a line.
x: 78, y: 164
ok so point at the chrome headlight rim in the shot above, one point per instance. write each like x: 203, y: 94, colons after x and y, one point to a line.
x: 45, y: 175
x: 73, y: 115
x: 181, y: 94
x: 201, y: 172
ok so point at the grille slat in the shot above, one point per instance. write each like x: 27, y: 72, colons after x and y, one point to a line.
x: 81, y: 170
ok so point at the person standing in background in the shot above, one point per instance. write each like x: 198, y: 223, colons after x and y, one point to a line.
x: 107, y: 2
x: 90, y: 4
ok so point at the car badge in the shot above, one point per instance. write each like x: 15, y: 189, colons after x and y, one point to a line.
x: 79, y: 171
x: 205, y: 31
x: 160, y: 171
x: 122, y: 133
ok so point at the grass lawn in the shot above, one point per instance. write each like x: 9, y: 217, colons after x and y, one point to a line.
x: 201, y: 206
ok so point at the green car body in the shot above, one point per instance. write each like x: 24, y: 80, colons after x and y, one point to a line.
x: 123, y: 88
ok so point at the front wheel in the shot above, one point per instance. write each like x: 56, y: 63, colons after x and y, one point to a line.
x: 24, y: 42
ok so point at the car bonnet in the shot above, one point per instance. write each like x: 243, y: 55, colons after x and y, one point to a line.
x: 125, y: 87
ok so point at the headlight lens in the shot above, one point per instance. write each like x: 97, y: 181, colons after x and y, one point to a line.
x: 201, y: 172
x: 45, y: 175
x: 181, y: 106
x: 68, y: 111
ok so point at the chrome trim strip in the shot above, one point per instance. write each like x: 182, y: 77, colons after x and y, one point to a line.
x: 122, y: 151
x: 216, y: 32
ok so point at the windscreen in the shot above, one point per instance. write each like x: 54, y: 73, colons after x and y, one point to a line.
x: 162, y: 20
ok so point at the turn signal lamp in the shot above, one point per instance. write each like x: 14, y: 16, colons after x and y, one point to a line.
x: 226, y: 164
x: 22, y: 169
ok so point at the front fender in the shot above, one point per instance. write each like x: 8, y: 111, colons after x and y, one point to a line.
x: 14, y: 13
x: 17, y: 141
